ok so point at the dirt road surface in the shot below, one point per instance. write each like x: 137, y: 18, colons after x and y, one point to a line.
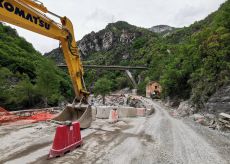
x: 159, y: 138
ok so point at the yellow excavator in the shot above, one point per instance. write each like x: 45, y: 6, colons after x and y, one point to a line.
x: 30, y: 15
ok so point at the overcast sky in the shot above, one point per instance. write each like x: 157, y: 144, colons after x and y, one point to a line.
x: 94, y: 15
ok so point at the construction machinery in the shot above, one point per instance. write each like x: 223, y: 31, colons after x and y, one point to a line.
x: 30, y: 15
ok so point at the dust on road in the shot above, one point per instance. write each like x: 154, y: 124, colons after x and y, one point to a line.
x: 158, y: 138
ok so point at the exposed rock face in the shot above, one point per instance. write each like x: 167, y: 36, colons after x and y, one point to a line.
x: 89, y: 43
x: 114, y: 35
x: 56, y: 55
x: 161, y: 28
x: 107, y: 40
x: 126, y: 37
x: 104, y: 40
x: 220, y: 101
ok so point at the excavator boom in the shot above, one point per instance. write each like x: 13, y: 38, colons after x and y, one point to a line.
x: 30, y: 15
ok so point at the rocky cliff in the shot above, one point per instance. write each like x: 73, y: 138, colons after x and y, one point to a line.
x: 162, y: 29
x: 190, y: 62
x: 220, y: 101
x: 115, y: 35
x: 118, y: 44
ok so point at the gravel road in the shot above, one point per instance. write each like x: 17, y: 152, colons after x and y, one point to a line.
x: 158, y: 138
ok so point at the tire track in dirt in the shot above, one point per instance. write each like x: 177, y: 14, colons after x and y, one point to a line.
x: 158, y: 138
x: 189, y: 147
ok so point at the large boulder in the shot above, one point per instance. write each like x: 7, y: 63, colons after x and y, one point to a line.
x: 186, y: 109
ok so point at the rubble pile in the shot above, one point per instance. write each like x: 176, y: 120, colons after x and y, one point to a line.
x: 135, y: 101
x: 185, y: 109
x: 221, y: 123
x: 114, y: 100
x: 119, y: 100
x: 200, y: 119
x: 126, y: 105
x: 213, y: 121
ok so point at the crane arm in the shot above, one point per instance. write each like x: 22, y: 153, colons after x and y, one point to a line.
x: 30, y: 15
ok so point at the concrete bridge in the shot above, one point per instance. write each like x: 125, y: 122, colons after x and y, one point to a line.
x: 114, y: 67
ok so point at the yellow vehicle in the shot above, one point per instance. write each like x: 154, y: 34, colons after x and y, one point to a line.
x: 30, y: 15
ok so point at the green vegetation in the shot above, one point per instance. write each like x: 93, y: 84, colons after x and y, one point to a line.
x: 102, y: 87
x: 48, y: 83
x: 191, y: 62
x: 200, y: 64
x: 27, y: 79
x: 127, y: 53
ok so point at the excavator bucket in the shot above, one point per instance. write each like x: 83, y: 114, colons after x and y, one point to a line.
x: 81, y: 113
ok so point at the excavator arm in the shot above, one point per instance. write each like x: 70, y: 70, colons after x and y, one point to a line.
x: 30, y: 15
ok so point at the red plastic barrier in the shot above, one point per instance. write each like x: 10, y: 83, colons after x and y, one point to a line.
x: 113, y: 116
x: 67, y: 138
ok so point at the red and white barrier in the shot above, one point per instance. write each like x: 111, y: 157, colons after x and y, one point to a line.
x: 113, y: 116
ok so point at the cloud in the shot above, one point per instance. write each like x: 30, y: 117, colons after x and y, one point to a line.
x: 91, y: 15
x: 187, y: 15
x: 194, y: 11
x: 98, y: 19
x: 100, y: 15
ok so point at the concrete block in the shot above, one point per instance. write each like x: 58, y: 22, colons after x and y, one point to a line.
x: 94, y: 112
x: 127, y: 112
x: 141, y: 112
x: 104, y: 111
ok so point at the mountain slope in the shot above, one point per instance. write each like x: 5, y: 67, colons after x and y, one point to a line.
x: 119, y: 35
x: 191, y: 62
x: 23, y: 70
x: 164, y: 30
x: 200, y: 63
x: 117, y: 44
